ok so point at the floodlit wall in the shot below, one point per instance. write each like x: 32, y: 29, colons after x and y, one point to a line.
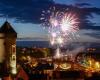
x: 2, y: 48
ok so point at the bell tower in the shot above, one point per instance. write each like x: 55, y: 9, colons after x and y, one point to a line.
x: 8, y: 48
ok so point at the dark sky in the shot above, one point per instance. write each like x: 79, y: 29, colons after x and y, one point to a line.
x: 25, y: 15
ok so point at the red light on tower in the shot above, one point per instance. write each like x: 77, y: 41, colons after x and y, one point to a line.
x: 14, y: 48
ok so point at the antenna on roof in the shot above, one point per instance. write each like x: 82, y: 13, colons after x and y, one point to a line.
x: 6, y: 18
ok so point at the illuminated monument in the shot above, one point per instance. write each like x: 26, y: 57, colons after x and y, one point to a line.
x: 7, y: 49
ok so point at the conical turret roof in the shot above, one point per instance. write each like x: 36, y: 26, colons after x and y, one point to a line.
x: 7, y: 28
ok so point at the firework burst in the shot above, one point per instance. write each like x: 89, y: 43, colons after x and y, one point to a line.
x: 69, y: 23
x: 62, y: 26
x: 69, y: 26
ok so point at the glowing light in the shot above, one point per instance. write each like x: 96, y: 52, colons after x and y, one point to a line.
x: 65, y: 66
x: 90, y: 63
x: 58, y: 55
x: 14, y: 71
x: 35, y: 64
x: 59, y: 40
x: 13, y: 64
x: 97, y: 65
x: 56, y: 66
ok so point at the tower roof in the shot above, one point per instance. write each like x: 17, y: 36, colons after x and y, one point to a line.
x: 7, y: 28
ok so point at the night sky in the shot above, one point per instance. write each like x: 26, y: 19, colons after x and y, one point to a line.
x: 24, y: 16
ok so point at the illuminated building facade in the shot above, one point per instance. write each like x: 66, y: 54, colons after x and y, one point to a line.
x: 7, y: 50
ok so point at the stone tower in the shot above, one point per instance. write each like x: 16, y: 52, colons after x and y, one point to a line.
x: 7, y: 49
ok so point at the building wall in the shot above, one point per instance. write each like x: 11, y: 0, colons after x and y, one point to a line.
x: 2, y: 48
x: 10, y: 40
